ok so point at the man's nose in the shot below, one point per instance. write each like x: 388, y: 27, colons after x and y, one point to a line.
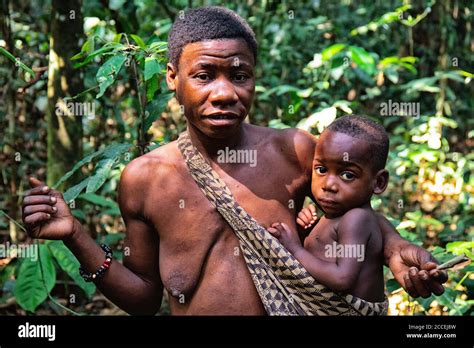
x: 330, y: 184
x: 223, y: 92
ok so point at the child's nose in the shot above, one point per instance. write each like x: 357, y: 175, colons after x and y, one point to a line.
x: 330, y: 184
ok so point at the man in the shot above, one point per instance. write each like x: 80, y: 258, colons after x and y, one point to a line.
x: 176, y: 238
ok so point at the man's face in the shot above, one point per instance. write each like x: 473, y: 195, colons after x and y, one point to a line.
x: 343, y: 177
x: 215, y: 85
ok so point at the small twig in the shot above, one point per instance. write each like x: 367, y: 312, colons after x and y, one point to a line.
x: 39, y: 73
x: 453, y: 262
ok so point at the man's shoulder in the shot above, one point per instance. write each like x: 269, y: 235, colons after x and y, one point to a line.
x: 287, y: 136
x: 153, y: 164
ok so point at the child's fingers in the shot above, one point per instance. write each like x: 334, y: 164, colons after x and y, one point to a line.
x: 303, y: 218
x: 285, y: 227
x: 278, y: 226
x: 312, y: 209
x: 308, y: 215
x: 301, y: 222
x: 274, y: 231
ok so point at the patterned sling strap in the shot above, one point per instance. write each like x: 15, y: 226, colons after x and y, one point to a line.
x: 284, y: 285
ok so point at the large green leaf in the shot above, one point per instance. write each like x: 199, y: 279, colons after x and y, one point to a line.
x: 155, y: 108
x: 68, y: 263
x: 151, y: 87
x: 74, y: 191
x: 138, y: 40
x: 110, y: 159
x: 108, y: 72
x: 363, y: 59
x: 30, y: 289
x: 78, y: 165
x: 104, y: 167
x: 152, y: 67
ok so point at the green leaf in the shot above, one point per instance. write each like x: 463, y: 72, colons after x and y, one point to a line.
x: 69, y: 264
x: 155, y: 108
x: 461, y: 247
x: 99, y: 200
x: 392, y: 285
x: 151, y: 87
x: 78, y: 165
x: 116, y: 4
x: 104, y: 167
x: 16, y: 61
x: 106, y: 49
x: 152, y: 67
x: 108, y: 73
x: 332, y: 50
x: 30, y: 290
x: 363, y: 59
x: 79, y: 214
x: 158, y: 47
x: 74, y: 191
x: 111, y: 211
x: 138, y: 40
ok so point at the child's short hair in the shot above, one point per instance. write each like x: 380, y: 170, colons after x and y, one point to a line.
x: 207, y: 23
x: 368, y: 130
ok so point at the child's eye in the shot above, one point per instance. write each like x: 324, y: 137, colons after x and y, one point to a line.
x: 348, y: 176
x: 321, y: 170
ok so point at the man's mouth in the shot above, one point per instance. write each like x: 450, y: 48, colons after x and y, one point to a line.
x: 222, y: 116
x: 222, y: 119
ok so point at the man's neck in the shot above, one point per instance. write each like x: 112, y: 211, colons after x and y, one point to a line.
x: 209, y: 147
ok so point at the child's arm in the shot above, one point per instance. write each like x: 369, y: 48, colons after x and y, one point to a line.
x: 354, y: 229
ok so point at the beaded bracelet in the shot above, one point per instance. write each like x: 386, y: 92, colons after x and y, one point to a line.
x: 89, y: 277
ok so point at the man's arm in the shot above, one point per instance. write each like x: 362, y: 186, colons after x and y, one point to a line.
x: 413, y: 267
x: 135, y: 286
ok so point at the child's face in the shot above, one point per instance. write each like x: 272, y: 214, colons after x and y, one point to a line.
x: 343, y: 177
x: 215, y: 84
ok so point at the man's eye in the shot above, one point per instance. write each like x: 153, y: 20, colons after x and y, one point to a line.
x: 203, y: 77
x: 348, y: 176
x: 240, y: 77
x: 320, y: 170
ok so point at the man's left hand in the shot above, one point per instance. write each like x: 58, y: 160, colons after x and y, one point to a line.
x: 415, y: 269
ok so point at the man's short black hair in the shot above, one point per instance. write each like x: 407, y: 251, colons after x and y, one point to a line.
x: 207, y: 23
x: 368, y: 130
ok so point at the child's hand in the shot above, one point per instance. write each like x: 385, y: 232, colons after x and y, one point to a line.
x: 307, y: 217
x: 290, y: 239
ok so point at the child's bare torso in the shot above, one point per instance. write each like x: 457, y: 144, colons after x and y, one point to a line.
x: 323, y: 242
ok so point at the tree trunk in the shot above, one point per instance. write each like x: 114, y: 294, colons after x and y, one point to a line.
x: 64, y: 129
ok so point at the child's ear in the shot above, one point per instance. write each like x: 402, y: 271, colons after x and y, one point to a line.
x: 171, y: 76
x: 381, y: 181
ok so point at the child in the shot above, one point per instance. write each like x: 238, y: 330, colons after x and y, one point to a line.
x: 344, y: 250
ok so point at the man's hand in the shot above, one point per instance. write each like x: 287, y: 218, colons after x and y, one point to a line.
x: 286, y: 236
x: 415, y: 269
x: 307, y: 217
x: 45, y: 213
